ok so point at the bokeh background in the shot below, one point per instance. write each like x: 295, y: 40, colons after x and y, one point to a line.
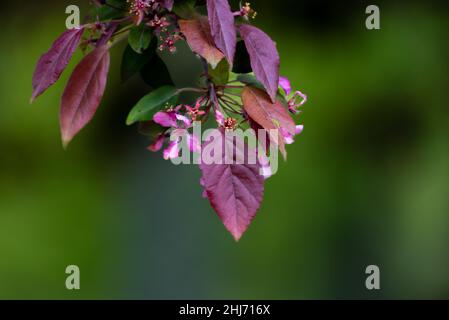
x: 366, y: 183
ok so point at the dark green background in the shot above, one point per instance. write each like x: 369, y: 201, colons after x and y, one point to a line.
x: 366, y: 183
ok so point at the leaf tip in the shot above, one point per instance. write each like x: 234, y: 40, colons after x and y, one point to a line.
x: 129, y: 121
x: 66, y: 138
x: 236, y: 231
x: 65, y: 143
x: 237, y: 236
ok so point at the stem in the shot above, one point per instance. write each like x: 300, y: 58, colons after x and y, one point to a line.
x: 208, y: 107
x: 230, y: 100
x: 121, y: 37
x: 230, y: 107
x: 234, y: 94
x: 233, y: 87
x: 122, y: 30
x: 225, y: 108
x: 118, y: 21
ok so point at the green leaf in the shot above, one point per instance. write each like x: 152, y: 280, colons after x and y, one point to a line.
x: 147, y: 107
x: 249, y: 79
x: 140, y: 38
x: 113, y: 9
x: 185, y: 8
x: 155, y: 73
x: 220, y: 75
x: 132, y: 62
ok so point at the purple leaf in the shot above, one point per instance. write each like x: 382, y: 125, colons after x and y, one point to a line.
x: 197, y: 33
x: 264, y: 57
x: 235, y: 191
x: 223, y: 30
x: 104, y: 38
x: 83, y: 93
x: 269, y: 115
x: 51, y: 65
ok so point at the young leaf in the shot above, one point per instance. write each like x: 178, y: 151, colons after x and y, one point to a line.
x: 199, y: 38
x: 221, y: 20
x: 51, y: 65
x: 155, y: 73
x: 132, y: 62
x: 220, y: 75
x: 83, y: 93
x: 264, y: 57
x: 267, y: 114
x: 235, y: 191
x: 140, y: 38
x: 110, y: 9
x: 250, y: 79
x: 147, y: 107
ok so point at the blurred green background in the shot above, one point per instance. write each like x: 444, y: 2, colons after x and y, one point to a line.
x: 366, y: 183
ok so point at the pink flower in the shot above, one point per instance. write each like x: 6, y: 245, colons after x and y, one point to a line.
x: 289, y: 138
x: 195, y: 112
x: 159, y: 23
x: 179, y: 123
x: 157, y: 144
x: 194, y: 143
x: 246, y: 11
x: 293, y: 104
x: 219, y: 117
x: 285, y: 84
x: 139, y: 9
x: 266, y: 171
x: 173, y: 149
x: 166, y: 119
x: 169, y: 119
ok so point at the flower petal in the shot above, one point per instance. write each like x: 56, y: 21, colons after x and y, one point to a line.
x: 265, y: 169
x: 288, y: 137
x: 266, y: 172
x: 194, y: 143
x: 303, y: 97
x: 172, y: 151
x: 165, y: 119
x: 185, y: 120
x: 285, y: 84
x: 219, y: 117
x: 157, y: 144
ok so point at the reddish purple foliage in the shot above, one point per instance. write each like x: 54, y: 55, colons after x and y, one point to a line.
x: 268, y: 115
x: 221, y: 21
x: 83, y: 93
x: 197, y: 33
x: 264, y: 57
x: 234, y: 186
x: 235, y: 191
x: 51, y: 65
